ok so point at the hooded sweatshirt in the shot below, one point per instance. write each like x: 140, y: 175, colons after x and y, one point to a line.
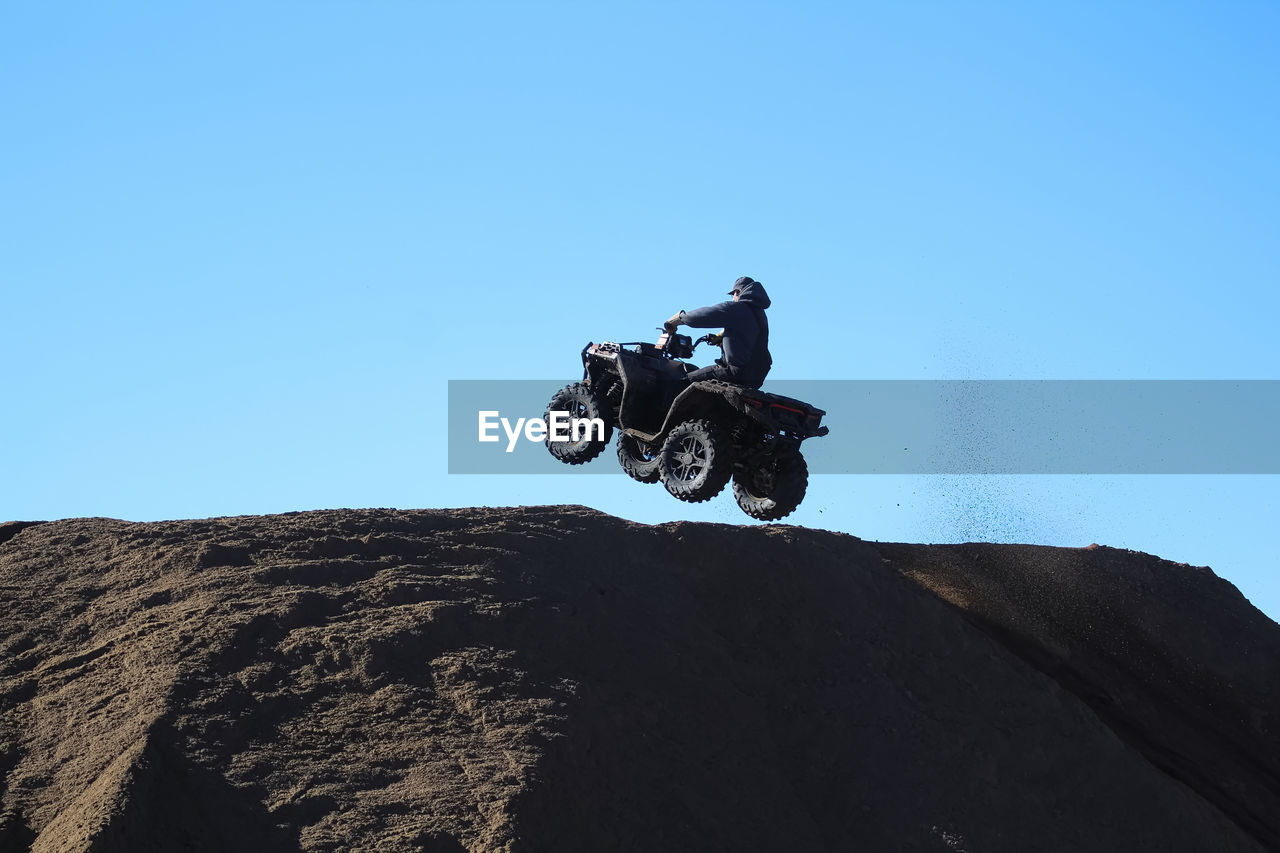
x: 746, y: 331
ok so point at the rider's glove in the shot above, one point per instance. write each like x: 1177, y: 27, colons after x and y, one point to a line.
x: 674, y: 323
x: 715, y: 338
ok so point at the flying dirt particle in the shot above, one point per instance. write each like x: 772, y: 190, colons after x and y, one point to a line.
x: 953, y: 840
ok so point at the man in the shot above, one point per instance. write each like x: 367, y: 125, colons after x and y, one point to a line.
x: 746, y: 359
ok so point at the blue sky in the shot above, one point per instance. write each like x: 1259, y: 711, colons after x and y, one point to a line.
x: 245, y: 246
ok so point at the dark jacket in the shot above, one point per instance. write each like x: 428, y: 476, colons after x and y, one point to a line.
x: 746, y: 332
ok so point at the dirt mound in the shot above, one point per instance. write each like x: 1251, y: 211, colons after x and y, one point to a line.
x: 554, y: 678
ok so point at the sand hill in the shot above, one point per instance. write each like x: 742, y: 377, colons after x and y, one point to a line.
x: 552, y: 678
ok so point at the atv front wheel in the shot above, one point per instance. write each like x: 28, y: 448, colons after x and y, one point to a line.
x: 772, y: 489
x: 638, y: 458
x: 580, y: 403
x: 695, y: 461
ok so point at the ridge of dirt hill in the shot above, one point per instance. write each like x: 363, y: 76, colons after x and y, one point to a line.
x: 1170, y: 656
x: 542, y: 678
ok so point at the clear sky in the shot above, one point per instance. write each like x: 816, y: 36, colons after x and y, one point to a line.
x: 245, y: 245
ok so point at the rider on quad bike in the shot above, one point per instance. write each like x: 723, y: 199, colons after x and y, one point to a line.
x: 746, y: 360
x: 694, y: 429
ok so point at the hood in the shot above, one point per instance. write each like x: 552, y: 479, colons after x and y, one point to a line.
x: 754, y: 293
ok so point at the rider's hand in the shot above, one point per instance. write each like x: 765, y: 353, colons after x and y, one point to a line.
x: 715, y: 338
x: 674, y: 323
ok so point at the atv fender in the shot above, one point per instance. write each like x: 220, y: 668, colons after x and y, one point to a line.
x: 709, y: 398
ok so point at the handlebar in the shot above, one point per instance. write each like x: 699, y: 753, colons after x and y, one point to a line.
x: 675, y: 345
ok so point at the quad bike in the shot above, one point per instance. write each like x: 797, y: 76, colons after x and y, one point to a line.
x: 694, y: 437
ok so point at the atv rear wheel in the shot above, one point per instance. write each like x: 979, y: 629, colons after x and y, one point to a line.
x: 695, y: 462
x: 579, y: 402
x: 639, y: 459
x: 772, y: 489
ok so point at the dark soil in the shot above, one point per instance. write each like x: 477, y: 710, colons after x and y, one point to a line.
x: 552, y: 678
